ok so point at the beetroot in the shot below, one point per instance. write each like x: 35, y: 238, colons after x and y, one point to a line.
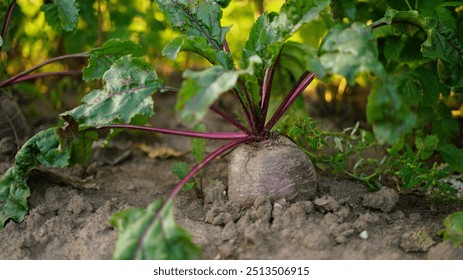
x: 276, y: 168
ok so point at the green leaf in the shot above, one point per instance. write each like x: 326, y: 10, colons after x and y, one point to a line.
x: 180, y: 170
x: 454, y: 228
x: 427, y: 146
x: 295, y: 59
x: 152, y: 234
x: 343, y: 8
x: 68, y: 13
x: 270, y: 31
x: 351, y: 51
x: 1, y: 41
x: 77, y: 141
x: 62, y: 13
x: 452, y: 156
x: 43, y: 148
x: 13, y: 197
x: 201, y: 89
x: 198, y: 18
x: 223, y: 3
x: 441, y: 42
x: 126, y: 97
x: 198, y: 145
x: 445, y: 127
x: 102, y: 58
x: 200, y: 46
x: 389, y: 112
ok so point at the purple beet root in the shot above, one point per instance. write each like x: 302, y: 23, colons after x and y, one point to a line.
x: 275, y: 168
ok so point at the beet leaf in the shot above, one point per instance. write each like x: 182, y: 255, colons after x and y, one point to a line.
x: 152, y: 234
x: 102, y: 58
x: 198, y: 18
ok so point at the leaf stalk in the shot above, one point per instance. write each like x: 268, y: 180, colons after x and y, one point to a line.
x: 20, y: 76
x: 7, y: 21
x: 187, y: 133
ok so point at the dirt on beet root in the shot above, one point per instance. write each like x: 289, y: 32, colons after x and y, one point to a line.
x: 70, y: 211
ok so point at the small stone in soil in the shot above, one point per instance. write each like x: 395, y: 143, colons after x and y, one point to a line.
x: 364, y: 235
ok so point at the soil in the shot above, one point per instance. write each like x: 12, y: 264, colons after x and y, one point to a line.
x: 70, y: 210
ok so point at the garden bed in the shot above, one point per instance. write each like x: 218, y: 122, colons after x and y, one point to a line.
x: 70, y: 211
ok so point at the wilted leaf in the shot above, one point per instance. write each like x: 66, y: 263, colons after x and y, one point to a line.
x: 102, y: 58
x: 152, y: 234
x: 45, y: 149
x: 159, y: 152
x: 13, y: 197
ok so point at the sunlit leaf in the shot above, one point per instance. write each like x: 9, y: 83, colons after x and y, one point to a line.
x: 198, y: 18
x: 152, y: 233
x: 295, y: 59
x: 102, y: 58
x: 126, y: 97
x: 200, y: 46
x: 201, y: 89
x: 270, y: 31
